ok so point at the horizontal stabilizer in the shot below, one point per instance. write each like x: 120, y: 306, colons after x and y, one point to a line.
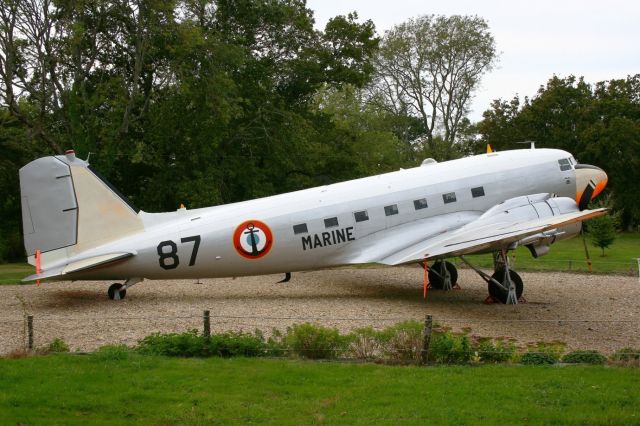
x: 79, y: 265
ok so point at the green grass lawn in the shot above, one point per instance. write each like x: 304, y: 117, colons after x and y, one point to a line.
x: 68, y: 389
x: 569, y: 255
x: 12, y: 273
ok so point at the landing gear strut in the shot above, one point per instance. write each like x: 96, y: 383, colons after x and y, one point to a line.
x: 118, y: 291
x: 505, y: 285
x: 443, y: 275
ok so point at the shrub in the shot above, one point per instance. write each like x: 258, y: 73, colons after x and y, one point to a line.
x: 584, y: 357
x: 315, y: 341
x: 495, y: 352
x: 553, y: 349
x: 191, y: 344
x: 188, y: 344
x: 112, y: 352
x: 402, y: 342
x: 627, y: 355
x: 538, y: 358
x: 449, y: 348
x: 57, y: 345
x: 364, y: 343
x: 236, y: 344
x: 276, y: 344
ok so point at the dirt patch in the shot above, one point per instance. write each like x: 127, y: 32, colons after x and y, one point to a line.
x: 584, y: 311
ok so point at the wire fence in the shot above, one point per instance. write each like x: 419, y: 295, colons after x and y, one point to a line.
x: 89, y: 332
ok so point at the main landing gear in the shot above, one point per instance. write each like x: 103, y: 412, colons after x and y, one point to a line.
x: 118, y: 291
x: 443, y: 275
x: 505, y: 285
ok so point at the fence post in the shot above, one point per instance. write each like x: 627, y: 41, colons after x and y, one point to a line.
x: 30, y: 332
x: 426, y: 338
x: 207, y: 325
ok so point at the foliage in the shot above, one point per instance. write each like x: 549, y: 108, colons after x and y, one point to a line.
x: 57, y: 345
x: 402, y: 342
x: 599, y: 123
x: 538, y: 358
x: 315, y: 341
x: 584, y: 357
x: 602, y: 231
x: 113, y: 353
x: 198, y: 103
x: 626, y: 354
x: 364, y: 343
x: 497, y: 351
x: 428, y: 68
x: 553, y: 349
x: 192, y: 344
x: 449, y: 348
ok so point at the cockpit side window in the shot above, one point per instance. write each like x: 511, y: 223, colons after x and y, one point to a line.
x: 565, y: 164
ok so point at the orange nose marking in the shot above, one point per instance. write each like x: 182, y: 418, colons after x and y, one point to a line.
x: 599, y: 187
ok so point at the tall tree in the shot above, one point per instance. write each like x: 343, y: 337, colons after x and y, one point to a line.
x: 599, y: 123
x: 430, y: 66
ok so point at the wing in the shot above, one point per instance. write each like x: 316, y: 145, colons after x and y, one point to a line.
x: 526, y: 220
x: 478, y: 237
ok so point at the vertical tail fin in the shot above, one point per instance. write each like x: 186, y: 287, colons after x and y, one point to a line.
x: 68, y: 208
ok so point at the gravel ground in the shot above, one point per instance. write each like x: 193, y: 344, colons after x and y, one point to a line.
x: 81, y: 314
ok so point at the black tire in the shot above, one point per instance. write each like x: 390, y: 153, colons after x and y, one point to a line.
x: 115, y: 292
x: 436, y: 280
x: 500, y: 294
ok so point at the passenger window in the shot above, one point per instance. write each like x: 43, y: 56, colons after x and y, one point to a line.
x: 420, y: 204
x: 331, y: 222
x: 477, y: 192
x: 300, y: 229
x: 449, y: 197
x: 361, y: 216
x: 391, y: 210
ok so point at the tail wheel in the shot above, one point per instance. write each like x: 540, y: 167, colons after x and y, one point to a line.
x: 437, y: 273
x: 499, y: 293
x: 115, y: 292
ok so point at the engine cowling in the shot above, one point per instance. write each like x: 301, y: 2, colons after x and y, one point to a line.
x: 537, y: 206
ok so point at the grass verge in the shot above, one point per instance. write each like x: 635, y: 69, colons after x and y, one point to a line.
x: 136, y: 389
x: 13, y: 273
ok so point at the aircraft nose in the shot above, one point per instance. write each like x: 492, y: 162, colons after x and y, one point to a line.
x: 590, y: 181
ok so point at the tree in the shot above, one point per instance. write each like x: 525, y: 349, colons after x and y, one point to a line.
x: 599, y: 123
x: 429, y: 67
x: 602, y: 231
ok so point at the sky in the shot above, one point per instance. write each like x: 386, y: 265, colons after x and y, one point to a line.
x: 599, y: 40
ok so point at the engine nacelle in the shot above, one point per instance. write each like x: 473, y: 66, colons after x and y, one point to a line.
x: 532, y: 207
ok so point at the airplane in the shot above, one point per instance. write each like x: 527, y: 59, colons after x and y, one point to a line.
x: 79, y: 227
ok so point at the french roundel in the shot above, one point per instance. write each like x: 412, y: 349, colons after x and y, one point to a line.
x: 252, y: 239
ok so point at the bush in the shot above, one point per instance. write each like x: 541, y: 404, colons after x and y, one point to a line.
x: 57, y: 345
x: 315, y: 341
x: 538, y: 358
x: 236, y: 344
x: 495, y: 352
x: 402, y: 342
x: 364, y: 343
x: 626, y: 355
x: 188, y: 344
x: 112, y: 352
x: 584, y: 357
x: 553, y: 349
x: 191, y: 344
x: 276, y: 344
x: 449, y: 348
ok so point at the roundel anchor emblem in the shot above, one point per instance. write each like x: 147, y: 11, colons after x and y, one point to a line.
x: 252, y: 239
